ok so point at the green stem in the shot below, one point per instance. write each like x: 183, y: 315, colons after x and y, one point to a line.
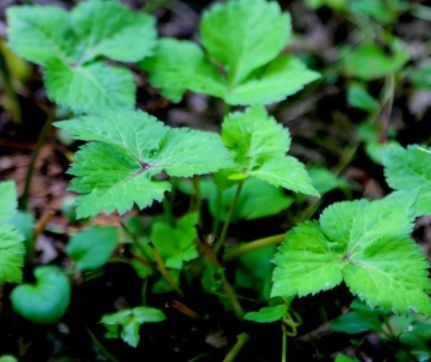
x: 241, y: 340
x: 229, y: 215
x: 283, y: 343
x: 30, y: 170
x: 252, y: 246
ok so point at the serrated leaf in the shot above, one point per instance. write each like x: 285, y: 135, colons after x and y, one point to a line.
x: 89, y: 88
x: 247, y: 70
x: 410, y: 169
x: 46, y: 301
x: 366, y: 244
x: 267, y: 314
x: 8, y: 203
x: 282, y: 77
x: 247, y: 133
x: 72, y: 47
x: 90, y: 249
x: 176, y: 244
x: 325, y: 181
x: 391, y: 273
x: 119, y: 168
x: 106, y: 28
x: 257, y: 32
x: 306, y: 263
x: 187, y: 70
x: 41, y: 33
x: 126, y: 324
x: 11, y: 254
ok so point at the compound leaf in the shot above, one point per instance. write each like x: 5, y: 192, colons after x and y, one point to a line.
x: 257, y: 29
x: 176, y: 244
x: 125, y: 324
x: 367, y: 245
x: 246, y: 134
x: 117, y: 169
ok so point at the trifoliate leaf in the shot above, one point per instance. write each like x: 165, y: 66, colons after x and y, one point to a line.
x: 248, y: 67
x: 257, y: 29
x: 11, y: 254
x: 41, y: 33
x: 8, y: 203
x: 176, y: 244
x: 106, y: 28
x: 282, y: 77
x: 259, y: 146
x: 126, y: 324
x: 72, y: 46
x: 368, y: 61
x: 188, y: 69
x: 89, y: 87
x: 90, y: 249
x: 128, y: 150
x: 366, y: 244
x: 410, y: 169
x: 267, y: 314
x: 46, y: 301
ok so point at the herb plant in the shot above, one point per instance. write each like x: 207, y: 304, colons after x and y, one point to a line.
x: 172, y: 204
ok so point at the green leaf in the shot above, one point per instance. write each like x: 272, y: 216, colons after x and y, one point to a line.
x: 257, y: 32
x: 357, y: 96
x: 368, y: 61
x: 72, y: 47
x: 89, y: 88
x: 46, y: 301
x: 12, y: 252
x: 306, y: 263
x: 282, y: 77
x: 248, y: 67
x: 176, y: 244
x: 325, y: 181
x: 421, y: 77
x: 187, y: 70
x: 12, y: 248
x: 126, y: 324
x: 391, y: 273
x: 359, y: 319
x: 127, y: 151
x: 409, y: 169
x: 343, y: 358
x: 267, y: 314
x: 8, y: 358
x: 366, y: 244
x: 106, y: 28
x: 41, y: 33
x: 8, y: 203
x: 246, y: 134
x: 92, y: 248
